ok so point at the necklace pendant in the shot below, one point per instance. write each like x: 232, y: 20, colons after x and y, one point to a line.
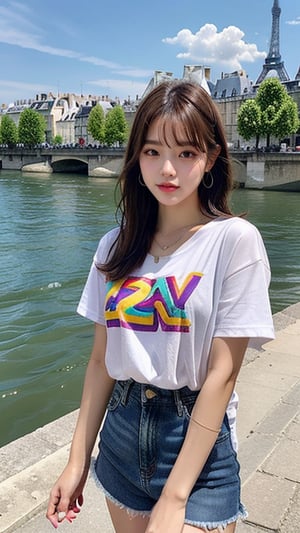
x: 156, y: 259
x: 165, y: 247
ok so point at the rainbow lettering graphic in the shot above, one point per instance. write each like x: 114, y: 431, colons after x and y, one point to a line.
x: 142, y: 303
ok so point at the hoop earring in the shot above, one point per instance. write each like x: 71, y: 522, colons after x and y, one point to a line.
x: 140, y: 180
x: 208, y: 185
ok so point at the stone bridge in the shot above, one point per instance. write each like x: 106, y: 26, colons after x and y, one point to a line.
x: 268, y: 170
x: 102, y: 162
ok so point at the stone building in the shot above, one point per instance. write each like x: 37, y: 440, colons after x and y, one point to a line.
x: 58, y: 111
x: 82, y: 136
x: 233, y: 84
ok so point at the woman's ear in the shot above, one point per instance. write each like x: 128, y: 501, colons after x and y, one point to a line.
x: 211, y: 158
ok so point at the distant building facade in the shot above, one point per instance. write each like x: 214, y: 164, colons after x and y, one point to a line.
x: 82, y: 135
x: 196, y: 73
x: 59, y: 112
x: 234, y: 84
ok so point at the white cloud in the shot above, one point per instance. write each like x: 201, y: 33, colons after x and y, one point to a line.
x: 15, y: 16
x: 135, y: 72
x: 12, y: 36
x: 17, y: 29
x: 294, y: 22
x: 227, y: 48
x: 97, y: 61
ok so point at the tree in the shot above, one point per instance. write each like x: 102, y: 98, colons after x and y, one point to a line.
x: 57, y: 139
x: 270, y: 96
x: 116, y: 128
x: 249, y: 121
x: 32, y: 127
x: 8, y: 131
x: 95, y: 125
x: 274, y: 101
x: 287, y: 120
x: 278, y: 112
x: 271, y: 92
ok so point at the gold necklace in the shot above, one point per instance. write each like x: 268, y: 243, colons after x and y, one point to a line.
x: 167, y: 246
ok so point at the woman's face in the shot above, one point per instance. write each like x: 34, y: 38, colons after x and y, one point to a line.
x: 171, y: 170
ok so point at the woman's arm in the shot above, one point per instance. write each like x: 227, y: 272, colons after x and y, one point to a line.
x: 67, y: 491
x: 97, y: 390
x: 225, y: 361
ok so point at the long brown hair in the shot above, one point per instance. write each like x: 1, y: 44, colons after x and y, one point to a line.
x: 177, y: 103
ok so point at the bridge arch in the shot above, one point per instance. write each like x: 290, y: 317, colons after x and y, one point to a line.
x: 72, y: 165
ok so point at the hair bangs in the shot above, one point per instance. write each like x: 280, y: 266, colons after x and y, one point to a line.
x: 182, y: 130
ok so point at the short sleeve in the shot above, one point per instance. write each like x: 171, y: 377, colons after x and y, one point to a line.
x: 92, y: 301
x: 91, y: 304
x: 244, y: 307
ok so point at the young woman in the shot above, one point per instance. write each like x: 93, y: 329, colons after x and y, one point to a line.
x: 176, y: 292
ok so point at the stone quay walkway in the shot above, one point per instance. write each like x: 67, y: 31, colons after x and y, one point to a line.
x: 269, y: 450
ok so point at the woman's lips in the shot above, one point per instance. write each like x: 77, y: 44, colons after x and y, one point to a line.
x: 167, y: 187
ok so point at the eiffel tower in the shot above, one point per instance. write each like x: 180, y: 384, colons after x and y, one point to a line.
x: 273, y: 59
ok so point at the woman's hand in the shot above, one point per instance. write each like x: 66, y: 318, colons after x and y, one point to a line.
x: 167, y: 516
x: 66, y: 496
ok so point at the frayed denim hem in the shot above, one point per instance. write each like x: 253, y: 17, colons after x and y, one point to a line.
x: 207, y: 527
x: 219, y: 526
x: 131, y: 512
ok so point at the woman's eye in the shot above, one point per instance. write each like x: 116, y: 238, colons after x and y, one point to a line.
x: 151, y: 152
x: 186, y: 154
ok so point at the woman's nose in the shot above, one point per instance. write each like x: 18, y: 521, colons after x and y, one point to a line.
x: 168, y: 168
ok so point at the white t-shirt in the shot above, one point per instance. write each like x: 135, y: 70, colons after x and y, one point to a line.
x: 162, y: 318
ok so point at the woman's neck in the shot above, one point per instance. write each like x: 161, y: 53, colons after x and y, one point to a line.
x: 170, y: 220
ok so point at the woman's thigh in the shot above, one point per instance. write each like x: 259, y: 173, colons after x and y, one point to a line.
x: 124, y: 523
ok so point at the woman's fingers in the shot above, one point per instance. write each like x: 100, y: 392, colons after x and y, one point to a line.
x: 53, y: 520
x: 60, y: 509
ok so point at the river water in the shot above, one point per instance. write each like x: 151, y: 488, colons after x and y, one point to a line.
x: 49, y: 230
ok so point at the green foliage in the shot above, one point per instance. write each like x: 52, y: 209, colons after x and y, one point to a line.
x: 268, y: 120
x: 57, y: 139
x: 270, y: 97
x: 287, y: 120
x: 95, y: 125
x: 249, y: 120
x: 32, y: 127
x: 278, y: 112
x: 271, y: 93
x: 116, y: 127
x: 8, y: 131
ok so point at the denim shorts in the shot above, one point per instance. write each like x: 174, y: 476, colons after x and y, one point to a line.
x: 141, y: 437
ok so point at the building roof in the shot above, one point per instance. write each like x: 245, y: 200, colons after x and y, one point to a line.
x: 234, y: 84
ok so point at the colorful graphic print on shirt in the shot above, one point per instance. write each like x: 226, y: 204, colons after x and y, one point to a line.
x: 142, y: 303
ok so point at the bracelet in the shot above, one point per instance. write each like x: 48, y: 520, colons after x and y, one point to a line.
x: 205, y: 427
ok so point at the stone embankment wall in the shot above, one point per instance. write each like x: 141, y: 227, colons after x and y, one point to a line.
x: 256, y: 170
x: 275, y: 170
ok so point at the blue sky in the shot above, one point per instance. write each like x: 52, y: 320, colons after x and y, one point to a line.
x: 102, y: 47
